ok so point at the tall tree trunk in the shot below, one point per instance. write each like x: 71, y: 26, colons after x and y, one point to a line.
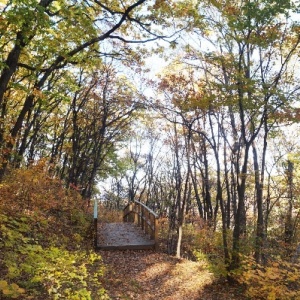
x: 288, y: 231
x: 197, y: 196
x: 240, y: 218
x: 259, y: 184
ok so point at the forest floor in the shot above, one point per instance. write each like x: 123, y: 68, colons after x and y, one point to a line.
x: 149, y: 275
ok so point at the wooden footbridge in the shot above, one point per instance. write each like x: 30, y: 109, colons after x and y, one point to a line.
x: 138, y: 231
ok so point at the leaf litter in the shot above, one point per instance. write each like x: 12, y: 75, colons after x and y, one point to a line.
x: 149, y: 275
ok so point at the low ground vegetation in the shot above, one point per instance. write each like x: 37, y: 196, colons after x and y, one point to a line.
x: 45, y: 240
x: 277, y: 278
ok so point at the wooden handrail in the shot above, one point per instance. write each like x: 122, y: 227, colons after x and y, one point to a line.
x: 144, y: 217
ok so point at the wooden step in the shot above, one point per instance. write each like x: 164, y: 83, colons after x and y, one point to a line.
x: 122, y: 236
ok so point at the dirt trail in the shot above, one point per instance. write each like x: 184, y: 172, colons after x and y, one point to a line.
x: 149, y: 275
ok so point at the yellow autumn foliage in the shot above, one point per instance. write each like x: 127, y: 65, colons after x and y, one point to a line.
x: 45, y: 240
x: 278, y: 280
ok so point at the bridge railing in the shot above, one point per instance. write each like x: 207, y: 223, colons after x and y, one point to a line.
x: 144, y: 217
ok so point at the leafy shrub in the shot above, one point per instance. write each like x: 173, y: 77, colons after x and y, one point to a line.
x: 277, y: 280
x: 46, y: 271
x: 108, y: 215
x: 206, y: 245
x: 11, y: 290
x: 45, y: 240
x: 214, y: 263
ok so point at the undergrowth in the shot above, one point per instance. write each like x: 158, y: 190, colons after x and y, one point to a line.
x: 278, y: 279
x: 45, y: 240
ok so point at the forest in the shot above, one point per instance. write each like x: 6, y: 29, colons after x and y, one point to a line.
x: 188, y: 106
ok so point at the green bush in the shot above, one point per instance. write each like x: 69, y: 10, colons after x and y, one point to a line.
x: 277, y: 280
x: 31, y: 270
x: 45, y: 241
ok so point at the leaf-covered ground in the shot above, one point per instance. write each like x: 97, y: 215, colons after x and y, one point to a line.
x: 148, y: 275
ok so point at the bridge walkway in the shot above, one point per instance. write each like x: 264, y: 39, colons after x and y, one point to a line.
x: 138, y: 231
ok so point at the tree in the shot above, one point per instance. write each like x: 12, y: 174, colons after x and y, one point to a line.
x: 51, y: 37
x: 241, y: 90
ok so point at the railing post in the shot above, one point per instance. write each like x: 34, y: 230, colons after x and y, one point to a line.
x: 152, y: 226
x: 147, y: 228
x: 135, y: 212
x: 95, y: 223
x: 156, y: 232
x: 139, y: 214
x: 129, y: 212
x: 142, y: 217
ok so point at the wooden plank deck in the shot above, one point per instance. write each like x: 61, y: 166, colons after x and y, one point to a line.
x: 122, y: 236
